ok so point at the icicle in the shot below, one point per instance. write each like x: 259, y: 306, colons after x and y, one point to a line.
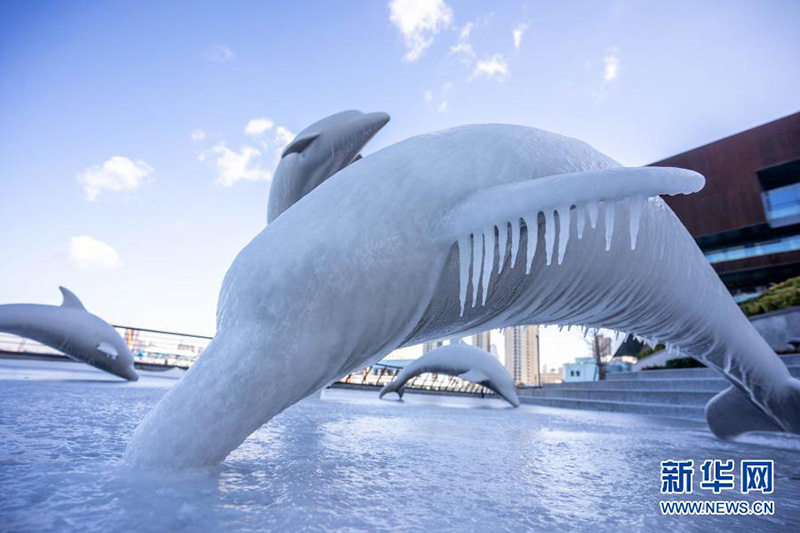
x: 532, y: 221
x: 488, y: 261
x: 477, y: 252
x: 514, y: 240
x: 592, y: 208
x: 549, y: 234
x: 564, y: 217
x: 635, y: 213
x: 463, y: 270
x: 502, y: 235
x: 609, y: 222
x: 580, y: 219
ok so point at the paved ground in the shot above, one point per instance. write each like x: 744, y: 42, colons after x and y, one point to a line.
x: 350, y: 461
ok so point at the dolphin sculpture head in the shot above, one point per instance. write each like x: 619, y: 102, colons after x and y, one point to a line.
x: 71, y: 329
x: 462, y: 360
x: 445, y: 235
x: 317, y: 153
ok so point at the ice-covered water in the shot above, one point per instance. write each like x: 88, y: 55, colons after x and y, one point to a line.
x: 350, y: 461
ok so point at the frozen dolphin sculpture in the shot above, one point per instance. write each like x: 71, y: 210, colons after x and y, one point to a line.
x: 317, y: 153
x: 444, y: 235
x: 462, y: 360
x: 71, y: 329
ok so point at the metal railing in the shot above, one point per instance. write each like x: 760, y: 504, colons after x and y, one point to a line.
x: 381, y: 374
x: 164, y: 348
x: 148, y: 346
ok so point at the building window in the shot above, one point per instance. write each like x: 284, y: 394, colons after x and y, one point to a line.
x: 774, y: 246
x: 782, y: 204
x: 780, y: 186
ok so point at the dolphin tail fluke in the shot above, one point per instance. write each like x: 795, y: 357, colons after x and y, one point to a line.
x: 389, y: 388
x: 731, y: 413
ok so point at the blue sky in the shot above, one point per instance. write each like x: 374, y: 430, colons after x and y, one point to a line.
x: 137, y: 138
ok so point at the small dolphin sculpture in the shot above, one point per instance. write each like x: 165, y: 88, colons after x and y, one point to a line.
x: 71, y: 329
x: 462, y: 360
x: 448, y: 234
x: 317, y: 153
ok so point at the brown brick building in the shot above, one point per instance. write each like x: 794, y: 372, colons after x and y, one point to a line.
x: 747, y: 218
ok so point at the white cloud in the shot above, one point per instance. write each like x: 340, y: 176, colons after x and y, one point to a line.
x: 611, y: 65
x: 198, y: 135
x: 233, y: 167
x: 283, y: 136
x: 218, y: 53
x: 463, y: 47
x: 439, y: 100
x: 117, y: 174
x: 518, y: 32
x: 466, y: 29
x: 88, y: 253
x: 419, y: 21
x: 257, y: 126
x: 492, y: 67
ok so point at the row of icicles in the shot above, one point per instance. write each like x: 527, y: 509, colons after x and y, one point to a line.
x: 476, y: 249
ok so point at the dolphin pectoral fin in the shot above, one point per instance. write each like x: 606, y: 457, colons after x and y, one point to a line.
x: 473, y: 221
x: 731, y: 413
x: 356, y: 158
x: 108, y: 350
x: 300, y: 143
x: 70, y: 300
x: 474, y: 376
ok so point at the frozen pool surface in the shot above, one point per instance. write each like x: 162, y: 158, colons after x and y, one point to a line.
x: 350, y: 461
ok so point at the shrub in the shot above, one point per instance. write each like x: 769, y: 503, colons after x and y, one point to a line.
x: 779, y: 296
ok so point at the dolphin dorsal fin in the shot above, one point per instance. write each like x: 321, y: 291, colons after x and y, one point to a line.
x: 70, y: 300
x: 300, y: 143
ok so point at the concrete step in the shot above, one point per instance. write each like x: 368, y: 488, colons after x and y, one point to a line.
x: 792, y: 359
x: 696, y: 384
x: 675, y: 411
x: 680, y: 373
x: 624, y: 395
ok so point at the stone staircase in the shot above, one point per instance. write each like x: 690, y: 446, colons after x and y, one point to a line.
x: 679, y: 393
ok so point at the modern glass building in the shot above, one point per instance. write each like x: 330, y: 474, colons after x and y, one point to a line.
x: 747, y: 218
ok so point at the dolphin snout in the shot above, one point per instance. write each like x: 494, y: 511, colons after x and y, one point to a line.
x: 375, y: 121
x: 130, y: 374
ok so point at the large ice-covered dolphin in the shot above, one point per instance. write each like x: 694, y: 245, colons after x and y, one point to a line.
x: 429, y: 239
x: 462, y: 360
x: 71, y: 329
x: 317, y: 153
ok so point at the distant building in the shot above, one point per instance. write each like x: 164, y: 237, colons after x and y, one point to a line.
x: 603, y: 347
x: 522, y: 354
x: 583, y: 369
x: 553, y: 377
x: 483, y: 341
x: 747, y: 217
x: 428, y: 346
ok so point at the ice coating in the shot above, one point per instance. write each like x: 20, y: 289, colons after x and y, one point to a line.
x: 72, y: 330
x: 372, y: 260
x: 462, y: 360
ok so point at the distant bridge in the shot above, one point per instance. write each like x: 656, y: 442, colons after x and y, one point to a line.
x: 150, y: 347
x: 155, y: 349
